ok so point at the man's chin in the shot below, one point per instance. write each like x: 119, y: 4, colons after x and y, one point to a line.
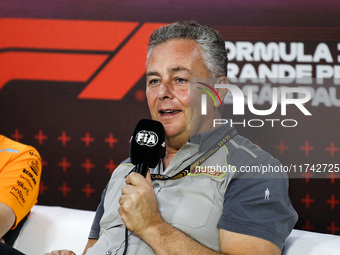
x: 176, y: 133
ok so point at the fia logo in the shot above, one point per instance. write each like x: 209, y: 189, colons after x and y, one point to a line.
x: 148, y: 138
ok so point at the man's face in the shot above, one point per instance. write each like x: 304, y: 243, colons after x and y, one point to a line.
x: 168, y: 72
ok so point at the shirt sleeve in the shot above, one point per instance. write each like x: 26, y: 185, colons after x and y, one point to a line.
x: 95, y: 228
x: 258, y: 205
x: 19, y: 182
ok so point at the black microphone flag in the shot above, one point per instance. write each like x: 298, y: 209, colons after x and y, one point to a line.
x: 147, y: 145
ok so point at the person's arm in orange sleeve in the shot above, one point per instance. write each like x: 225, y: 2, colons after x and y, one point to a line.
x: 20, y: 172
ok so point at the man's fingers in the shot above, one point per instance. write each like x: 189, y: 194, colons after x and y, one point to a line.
x: 148, y: 177
x: 60, y: 252
x: 135, y: 179
x: 127, y: 189
x: 123, y: 199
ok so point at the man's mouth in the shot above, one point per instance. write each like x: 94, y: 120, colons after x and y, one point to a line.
x: 169, y: 112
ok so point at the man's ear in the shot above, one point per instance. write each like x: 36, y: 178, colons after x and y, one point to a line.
x: 222, y: 92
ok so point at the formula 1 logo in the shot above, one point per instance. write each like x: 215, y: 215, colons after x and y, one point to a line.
x: 148, y: 138
x: 108, y: 56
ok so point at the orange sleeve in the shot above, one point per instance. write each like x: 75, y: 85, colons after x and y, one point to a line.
x: 19, y: 181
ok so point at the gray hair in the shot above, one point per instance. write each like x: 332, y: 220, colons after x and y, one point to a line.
x: 214, y: 52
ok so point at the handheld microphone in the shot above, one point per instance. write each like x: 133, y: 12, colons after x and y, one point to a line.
x: 147, y: 145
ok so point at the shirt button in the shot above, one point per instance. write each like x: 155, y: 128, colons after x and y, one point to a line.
x: 108, y: 252
x: 156, y: 185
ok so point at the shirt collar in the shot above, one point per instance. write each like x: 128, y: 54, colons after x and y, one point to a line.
x: 196, y: 144
x: 207, y: 139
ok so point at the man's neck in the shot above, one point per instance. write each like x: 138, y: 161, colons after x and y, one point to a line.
x: 174, y: 144
x: 169, y: 155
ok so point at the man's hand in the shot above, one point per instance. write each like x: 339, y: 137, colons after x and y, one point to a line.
x: 2, y: 240
x: 138, y: 204
x: 61, y: 252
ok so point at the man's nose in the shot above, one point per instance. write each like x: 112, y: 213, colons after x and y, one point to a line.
x: 165, y: 90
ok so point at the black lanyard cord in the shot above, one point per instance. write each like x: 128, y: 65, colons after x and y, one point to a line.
x: 221, y: 142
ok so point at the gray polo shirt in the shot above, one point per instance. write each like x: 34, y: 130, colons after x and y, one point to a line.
x: 221, y: 193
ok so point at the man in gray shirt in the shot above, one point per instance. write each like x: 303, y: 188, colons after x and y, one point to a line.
x: 206, y: 203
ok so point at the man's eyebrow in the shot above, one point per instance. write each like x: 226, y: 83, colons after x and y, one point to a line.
x: 152, y: 73
x: 170, y: 71
x: 178, y: 69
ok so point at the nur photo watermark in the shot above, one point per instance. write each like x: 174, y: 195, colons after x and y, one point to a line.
x: 281, y: 97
